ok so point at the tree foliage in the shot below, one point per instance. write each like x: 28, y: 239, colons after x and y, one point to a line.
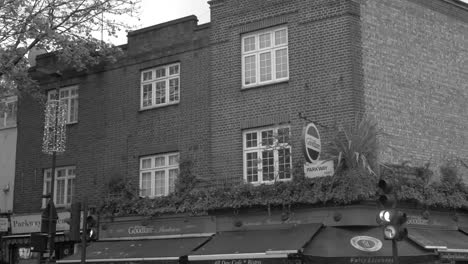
x: 61, y: 26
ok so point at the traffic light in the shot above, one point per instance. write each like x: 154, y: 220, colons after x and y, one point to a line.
x: 394, y: 222
x: 74, y: 221
x: 91, y: 227
x: 386, y: 196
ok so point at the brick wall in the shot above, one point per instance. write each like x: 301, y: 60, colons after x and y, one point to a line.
x: 325, y: 76
x: 112, y: 133
x: 416, y: 77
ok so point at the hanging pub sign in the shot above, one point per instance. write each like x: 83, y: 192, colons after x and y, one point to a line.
x: 311, y: 144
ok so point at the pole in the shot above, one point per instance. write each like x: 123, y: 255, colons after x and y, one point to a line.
x: 52, y: 189
x: 395, y: 251
x: 83, y: 234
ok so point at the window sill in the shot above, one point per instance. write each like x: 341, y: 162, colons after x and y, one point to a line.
x: 267, y: 182
x: 264, y: 84
x: 7, y: 127
x: 157, y: 106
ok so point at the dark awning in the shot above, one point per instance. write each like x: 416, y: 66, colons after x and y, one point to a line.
x: 360, y: 245
x: 256, y: 244
x: 464, y: 229
x: 442, y: 240
x: 167, y: 250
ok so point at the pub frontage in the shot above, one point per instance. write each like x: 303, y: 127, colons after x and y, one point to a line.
x: 338, y: 235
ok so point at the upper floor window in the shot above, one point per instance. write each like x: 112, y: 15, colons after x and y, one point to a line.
x: 8, y: 109
x: 63, y: 187
x: 265, y: 57
x: 69, y: 95
x: 160, y: 86
x: 158, y: 174
x: 267, y: 155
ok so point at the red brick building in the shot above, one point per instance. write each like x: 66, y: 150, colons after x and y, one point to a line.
x: 216, y: 96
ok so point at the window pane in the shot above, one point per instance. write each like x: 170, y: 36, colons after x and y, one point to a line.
x: 147, y: 75
x: 281, y: 37
x: 60, y: 195
x: 174, y: 90
x: 281, y: 63
x: 264, y: 40
x: 47, y: 190
x: 161, y: 92
x: 160, y: 72
x: 147, y: 95
x: 145, y: 184
x: 265, y: 67
x: 172, y: 178
x: 268, y: 166
x: 159, y: 183
x: 70, y: 185
x: 249, y: 44
x: 73, y: 110
x: 159, y: 161
x: 251, y: 139
x: 61, y: 172
x: 64, y: 93
x: 284, y: 163
x: 173, y: 159
x: 267, y: 138
x: 283, y: 135
x: 252, y: 166
x: 146, y: 163
x: 250, y: 71
x: 174, y: 70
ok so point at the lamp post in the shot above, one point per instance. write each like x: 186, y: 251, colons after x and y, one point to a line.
x: 53, y: 142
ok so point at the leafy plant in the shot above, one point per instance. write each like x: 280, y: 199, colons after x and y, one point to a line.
x: 356, y: 146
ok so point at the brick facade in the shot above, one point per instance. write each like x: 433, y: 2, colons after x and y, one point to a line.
x: 416, y: 71
x: 112, y: 132
x: 325, y: 77
x: 403, y: 61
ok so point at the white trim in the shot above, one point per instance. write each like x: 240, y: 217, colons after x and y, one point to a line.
x: 158, y: 237
x: 237, y: 256
x: 118, y: 260
x: 453, y: 250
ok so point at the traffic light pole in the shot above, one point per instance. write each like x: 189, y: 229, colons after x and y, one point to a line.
x: 83, y: 233
x: 395, y: 251
x: 51, y: 211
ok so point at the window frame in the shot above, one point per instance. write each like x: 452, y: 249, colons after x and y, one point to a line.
x: 154, y: 80
x: 153, y: 168
x: 10, y: 100
x: 257, y: 51
x: 259, y: 148
x: 66, y: 178
x: 68, y: 100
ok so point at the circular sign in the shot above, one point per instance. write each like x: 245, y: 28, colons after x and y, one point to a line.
x: 366, y: 243
x: 311, y: 145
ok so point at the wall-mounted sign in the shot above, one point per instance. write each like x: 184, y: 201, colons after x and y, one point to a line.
x: 319, y: 169
x: 156, y: 228
x: 366, y: 243
x: 4, y: 224
x: 21, y: 224
x: 311, y: 145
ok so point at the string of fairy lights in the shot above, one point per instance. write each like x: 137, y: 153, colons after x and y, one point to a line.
x: 54, y: 137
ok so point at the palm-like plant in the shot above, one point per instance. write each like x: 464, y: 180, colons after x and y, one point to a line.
x: 356, y: 146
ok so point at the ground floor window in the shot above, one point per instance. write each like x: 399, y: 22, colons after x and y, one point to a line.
x: 158, y: 174
x: 267, y: 154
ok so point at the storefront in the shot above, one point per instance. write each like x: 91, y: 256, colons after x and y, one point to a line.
x: 338, y: 235
x: 16, y: 246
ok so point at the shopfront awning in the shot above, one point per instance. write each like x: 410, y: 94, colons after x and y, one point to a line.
x: 361, y: 245
x: 255, y: 246
x: 442, y: 240
x: 164, y: 250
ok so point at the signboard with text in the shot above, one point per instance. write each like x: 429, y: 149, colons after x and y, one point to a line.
x: 319, y: 169
x: 21, y: 224
x: 157, y: 228
x: 4, y: 224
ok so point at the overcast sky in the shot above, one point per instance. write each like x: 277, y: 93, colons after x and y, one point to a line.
x: 158, y: 11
